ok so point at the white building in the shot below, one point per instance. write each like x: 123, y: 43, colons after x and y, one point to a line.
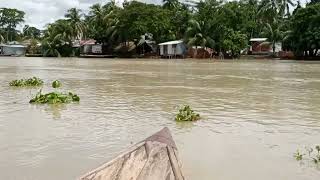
x: 263, y: 46
x: 12, y: 50
x: 173, y: 49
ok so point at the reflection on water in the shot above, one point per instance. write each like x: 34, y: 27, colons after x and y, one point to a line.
x: 255, y: 115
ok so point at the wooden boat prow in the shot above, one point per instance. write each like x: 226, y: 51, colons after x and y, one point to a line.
x: 152, y: 159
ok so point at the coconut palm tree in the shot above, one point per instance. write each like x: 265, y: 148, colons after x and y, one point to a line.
x: 198, y: 34
x: 58, y: 38
x: 51, y: 46
x: 276, y: 7
x: 74, y: 17
x: 10, y: 18
x: 31, y: 32
x: 274, y: 34
x: 103, y: 22
x: 170, y: 4
x: 285, y: 7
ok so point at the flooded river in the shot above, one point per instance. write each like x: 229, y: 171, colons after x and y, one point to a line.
x: 256, y: 114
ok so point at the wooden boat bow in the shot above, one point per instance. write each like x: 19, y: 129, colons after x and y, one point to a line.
x: 155, y: 158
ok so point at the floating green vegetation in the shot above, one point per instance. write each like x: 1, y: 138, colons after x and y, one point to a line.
x: 313, y: 155
x: 298, y: 155
x: 55, y: 97
x: 56, y: 84
x: 34, y: 81
x: 187, y: 114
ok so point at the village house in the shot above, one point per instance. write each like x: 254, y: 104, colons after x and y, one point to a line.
x: 12, y: 49
x: 173, y: 49
x: 261, y: 46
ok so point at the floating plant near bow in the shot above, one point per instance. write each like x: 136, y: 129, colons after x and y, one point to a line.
x: 187, y: 114
x: 34, y: 81
x: 298, y: 155
x: 314, y: 157
x: 55, y: 97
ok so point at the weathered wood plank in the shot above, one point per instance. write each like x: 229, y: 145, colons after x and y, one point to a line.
x: 133, y: 164
x: 158, y: 166
x: 109, y: 172
x: 155, y: 158
x: 97, y: 173
x: 176, y: 167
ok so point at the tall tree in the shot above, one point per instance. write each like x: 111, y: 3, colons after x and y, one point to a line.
x: 304, y: 34
x: 233, y: 43
x: 171, y: 4
x: 31, y: 32
x: 102, y: 21
x: 58, y: 39
x: 274, y: 33
x: 137, y: 18
x: 9, y: 19
x: 198, y: 34
x: 74, y: 16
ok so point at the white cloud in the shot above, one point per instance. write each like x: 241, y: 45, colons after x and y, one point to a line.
x: 41, y: 12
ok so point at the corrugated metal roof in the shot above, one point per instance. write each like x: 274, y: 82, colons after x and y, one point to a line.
x: 16, y: 46
x: 258, y: 39
x: 13, y: 45
x: 171, y: 42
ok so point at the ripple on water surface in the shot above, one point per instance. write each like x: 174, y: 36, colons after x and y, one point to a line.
x: 255, y: 114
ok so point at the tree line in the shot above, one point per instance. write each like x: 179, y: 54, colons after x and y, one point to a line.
x: 222, y: 25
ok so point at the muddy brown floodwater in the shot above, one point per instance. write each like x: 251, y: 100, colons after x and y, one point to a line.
x: 256, y: 114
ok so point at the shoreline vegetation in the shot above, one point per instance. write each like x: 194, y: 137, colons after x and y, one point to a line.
x: 222, y: 28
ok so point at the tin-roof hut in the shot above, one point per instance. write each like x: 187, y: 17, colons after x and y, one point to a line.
x: 173, y: 49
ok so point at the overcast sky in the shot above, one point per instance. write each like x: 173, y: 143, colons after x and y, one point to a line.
x: 41, y: 12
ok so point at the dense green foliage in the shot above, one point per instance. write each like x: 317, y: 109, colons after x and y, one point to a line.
x: 31, y: 32
x: 54, y: 98
x: 9, y: 19
x: 225, y: 26
x: 56, y: 84
x: 187, y: 114
x: 34, y: 81
x: 304, y: 34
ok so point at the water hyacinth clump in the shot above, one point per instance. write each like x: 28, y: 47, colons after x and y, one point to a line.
x: 313, y: 155
x: 187, y: 114
x: 55, y: 98
x: 56, y: 84
x: 34, y: 81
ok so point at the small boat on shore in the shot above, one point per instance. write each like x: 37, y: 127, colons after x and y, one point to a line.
x: 154, y: 158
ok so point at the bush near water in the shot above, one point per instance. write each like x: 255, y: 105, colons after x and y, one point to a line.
x: 34, y: 81
x: 187, y: 114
